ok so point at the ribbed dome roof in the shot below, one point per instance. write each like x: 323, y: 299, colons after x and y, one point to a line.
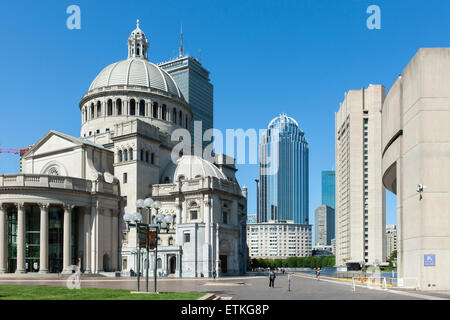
x: 136, y: 72
x: 191, y: 167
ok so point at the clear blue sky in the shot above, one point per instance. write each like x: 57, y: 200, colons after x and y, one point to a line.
x: 266, y: 57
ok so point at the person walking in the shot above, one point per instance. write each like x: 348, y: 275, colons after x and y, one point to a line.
x: 318, y: 273
x: 272, y: 277
x: 214, y: 274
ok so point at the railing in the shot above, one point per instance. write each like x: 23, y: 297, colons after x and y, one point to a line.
x: 56, y: 182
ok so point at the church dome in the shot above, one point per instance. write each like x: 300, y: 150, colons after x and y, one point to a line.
x: 136, y: 71
x: 191, y: 167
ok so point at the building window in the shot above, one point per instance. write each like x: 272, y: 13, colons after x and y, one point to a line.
x: 164, y: 110
x: 152, y: 158
x: 225, y: 217
x: 119, y: 107
x: 142, y: 155
x: 146, y: 156
x: 187, y: 237
x: 131, y: 154
x: 125, y: 155
x: 142, y: 108
x: 125, y: 177
x: 174, y: 116
x: 120, y: 156
x: 155, y: 110
x: 194, y: 215
x: 109, y: 107
x: 99, y: 109
x: 132, y: 107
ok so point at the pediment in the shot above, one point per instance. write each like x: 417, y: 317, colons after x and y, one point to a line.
x: 52, y: 143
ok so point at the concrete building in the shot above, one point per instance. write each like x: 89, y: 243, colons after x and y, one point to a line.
x: 67, y: 206
x: 283, y: 173
x: 279, y: 240
x: 360, y: 196
x: 322, y: 250
x: 324, y: 225
x: 416, y: 167
x: 333, y: 246
x: 391, y: 239
x: 251, y: 218
x: 195, y: 85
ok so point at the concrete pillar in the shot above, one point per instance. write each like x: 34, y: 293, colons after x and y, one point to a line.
x: 67, y: 237
x: 218, y: 270
x: 115, y: 240
x: 21, y: 227
x: 87, y: 241
x: 3, y: 239
x: 43, y: 257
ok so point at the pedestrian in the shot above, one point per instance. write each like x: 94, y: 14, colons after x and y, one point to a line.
x: 214, y: 274
x: 317, y: 273
x: 272, y: 277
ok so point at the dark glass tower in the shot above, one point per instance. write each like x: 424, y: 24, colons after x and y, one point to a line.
x: 328, y: 188
x: 284, y: 193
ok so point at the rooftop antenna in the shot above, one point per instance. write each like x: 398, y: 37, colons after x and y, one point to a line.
x: 181, y: 44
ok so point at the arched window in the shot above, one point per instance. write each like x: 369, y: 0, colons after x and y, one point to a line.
x: 146, y: 156
x: 159, y: 261
x: 131, y: 153
x: 166, y: 180
x: 92, y: 111
x: 170, y: 241
x: 85, y: 114
x: 132, y: 107
x: 155, y: 110
x: 180, y: 116
x: 152, y: 158
x: 120, y: 156
x: 142, y: 108
x: 99, y: 109
x: 164, y: 110
x: 109, y: 107
x: 125, y: 155
x: 142, y: 155
x: 119, y: 107
x: 174, y: 115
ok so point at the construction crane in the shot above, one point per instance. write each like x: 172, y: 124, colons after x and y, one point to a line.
x: 20, y: 152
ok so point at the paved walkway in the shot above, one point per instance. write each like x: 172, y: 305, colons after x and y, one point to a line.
x: 303, y: 287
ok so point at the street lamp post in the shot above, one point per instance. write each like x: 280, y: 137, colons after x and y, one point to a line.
x: 134, y: 219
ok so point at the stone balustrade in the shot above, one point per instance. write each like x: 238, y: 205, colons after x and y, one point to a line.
x: 56, y: 182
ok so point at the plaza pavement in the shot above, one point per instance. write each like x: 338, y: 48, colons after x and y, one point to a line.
x: 303, y: 287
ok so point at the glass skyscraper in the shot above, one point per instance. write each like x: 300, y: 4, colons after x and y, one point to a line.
x: 193, y: 80
x: 328, y: 188
x: 283, y: 192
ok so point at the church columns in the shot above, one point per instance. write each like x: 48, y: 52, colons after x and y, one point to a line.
x: 67, y: 239
x: 20, y: 238
x: 3, y: 239
x: 43, y: 254
x: 87, y: 240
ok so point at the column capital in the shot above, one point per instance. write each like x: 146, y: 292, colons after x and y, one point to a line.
x: 44, y: 205
x: 20, y: 205
x: 68, y: 206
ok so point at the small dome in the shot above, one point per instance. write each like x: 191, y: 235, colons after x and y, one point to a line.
x: 190, y: 167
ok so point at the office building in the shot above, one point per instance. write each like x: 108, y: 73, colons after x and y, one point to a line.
x: 283, y: 186
x: 360, y: 196
x: 324, y: 225
x: 391, y: 239
x: 328, y: 188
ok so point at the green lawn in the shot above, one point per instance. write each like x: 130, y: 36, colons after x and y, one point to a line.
x: 8, y: 292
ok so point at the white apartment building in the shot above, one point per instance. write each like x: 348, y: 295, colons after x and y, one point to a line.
x: 279, y: 240
x: 360, y: 196
x: 391, y: 239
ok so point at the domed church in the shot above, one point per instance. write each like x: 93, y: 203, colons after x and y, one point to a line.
x: 65, y: 209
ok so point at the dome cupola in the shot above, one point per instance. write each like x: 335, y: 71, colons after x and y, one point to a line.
x: 137, y: 44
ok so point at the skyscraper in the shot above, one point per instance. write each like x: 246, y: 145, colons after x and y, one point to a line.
x: 283, y: 191
x: 328, y: 188
x: 360, y: 196
x: 193, y: 80
x: 324, y: 225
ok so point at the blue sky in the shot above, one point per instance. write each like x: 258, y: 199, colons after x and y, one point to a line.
x: 265, y: 57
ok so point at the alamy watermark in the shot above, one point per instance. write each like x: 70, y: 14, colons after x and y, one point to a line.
x: 74, y: 20
x: 374, y: 20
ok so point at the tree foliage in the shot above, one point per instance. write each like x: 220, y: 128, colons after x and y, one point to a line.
x: 295, y: 262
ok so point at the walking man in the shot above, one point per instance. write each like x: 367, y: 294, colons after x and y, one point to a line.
x: 214, y: 274
x: 272, y: 277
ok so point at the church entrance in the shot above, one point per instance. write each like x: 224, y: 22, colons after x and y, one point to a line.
x: 172, y: 264
x: 223, y: 263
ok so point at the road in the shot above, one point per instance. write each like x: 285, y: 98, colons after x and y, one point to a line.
x: 237, y: 288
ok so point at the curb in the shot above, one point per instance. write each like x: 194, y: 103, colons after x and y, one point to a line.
x: 208, y: 296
